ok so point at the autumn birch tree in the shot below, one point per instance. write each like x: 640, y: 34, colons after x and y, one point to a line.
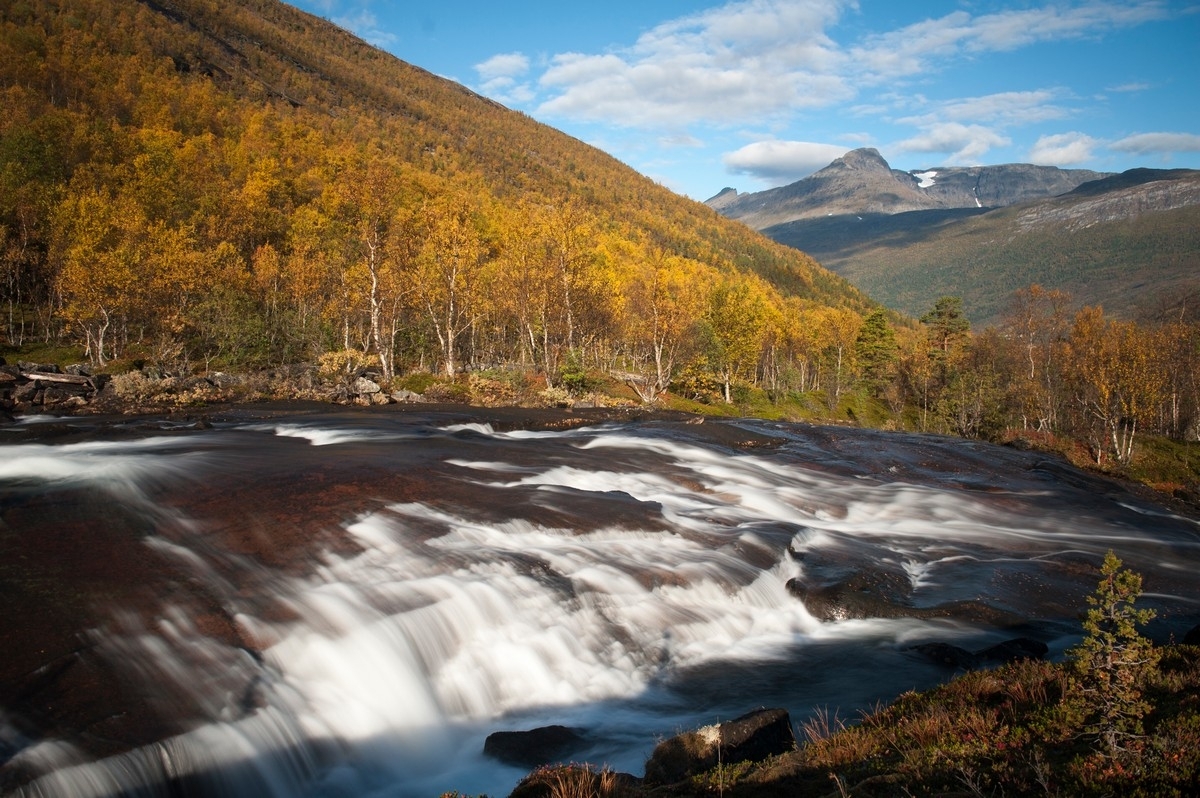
x: 449, y: 266
x: 736, y: 317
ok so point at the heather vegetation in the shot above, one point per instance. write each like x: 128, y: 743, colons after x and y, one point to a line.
x: 1119, y: 717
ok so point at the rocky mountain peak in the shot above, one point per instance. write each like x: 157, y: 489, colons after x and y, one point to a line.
x: 865, y: 159
x: 723, y: 197
x: 862, y: 182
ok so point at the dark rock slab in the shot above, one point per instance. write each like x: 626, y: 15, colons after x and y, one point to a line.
x: 534, y: 747
x: 952, y: 656
x: 1018, y: 648
x: 949, y: 655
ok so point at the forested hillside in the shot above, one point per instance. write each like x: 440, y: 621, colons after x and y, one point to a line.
x: 242, y: 184
x: 1135, y: 249
x: 200, y: 185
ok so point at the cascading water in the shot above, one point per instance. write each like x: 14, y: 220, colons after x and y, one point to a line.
x: 348, y: 604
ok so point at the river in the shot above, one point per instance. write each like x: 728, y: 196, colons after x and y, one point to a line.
x: 311, y: 602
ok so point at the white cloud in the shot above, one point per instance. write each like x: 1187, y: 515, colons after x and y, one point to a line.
x: 508, y: 91
x: 781, y: 162
x: 913, y: 49
x: 1009, y: 108
x: 1158, y: 143
x: 963, y: 145
x: 1129, y: 87
x: 1062, y: 149
x: 504, y: 65
x: 754, y: 61
x: 680, y: 140
x: 366, y: 27
x: 747, y: 60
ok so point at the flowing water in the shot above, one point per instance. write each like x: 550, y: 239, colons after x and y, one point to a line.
x: 347, y: 604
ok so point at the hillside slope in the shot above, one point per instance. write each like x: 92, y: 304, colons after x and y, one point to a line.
x: 1127, y: 241
x: 152, y: 150
x: 1130, y: 243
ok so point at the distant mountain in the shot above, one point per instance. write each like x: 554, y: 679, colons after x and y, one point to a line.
x: 1129, y: 241
x: 861, y: 181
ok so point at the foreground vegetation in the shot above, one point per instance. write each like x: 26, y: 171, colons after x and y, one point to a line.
x: 1120, y: 717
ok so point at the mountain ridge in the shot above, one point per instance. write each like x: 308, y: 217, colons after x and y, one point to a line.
x: 861, y: 181
x: 1121, y: 240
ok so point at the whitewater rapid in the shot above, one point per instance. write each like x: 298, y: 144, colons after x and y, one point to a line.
x: 627, y: 580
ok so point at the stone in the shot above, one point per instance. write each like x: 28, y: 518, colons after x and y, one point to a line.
x: 363, y: 386
x: 532, y: 748
x: 1018, y: 648
x: 949, y: 655
x: 865, y: 593
x: 952, y: 656
x: 405, y: 395
x: 42, y: 368
x: 752, y: 737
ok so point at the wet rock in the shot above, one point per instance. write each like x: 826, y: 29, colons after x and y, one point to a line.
x: 952, y: 656
x: 1192, y: 638
x: 873, y: 593
x: 534, y: 747
x: 752, y: 737
x: 1018, y: 648
x: 949, y: 655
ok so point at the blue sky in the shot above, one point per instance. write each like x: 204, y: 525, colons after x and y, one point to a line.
x: 757, y: 93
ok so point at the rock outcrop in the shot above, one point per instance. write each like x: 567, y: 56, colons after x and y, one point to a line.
x: 752, y: 737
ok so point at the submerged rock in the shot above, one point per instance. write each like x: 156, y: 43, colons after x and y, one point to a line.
x: 952, y: 656
x: 535, y: 747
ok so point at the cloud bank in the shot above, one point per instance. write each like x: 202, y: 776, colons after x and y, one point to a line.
x: 781, y: 162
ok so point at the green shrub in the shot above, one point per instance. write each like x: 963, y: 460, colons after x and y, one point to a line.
x: 1114, y: 662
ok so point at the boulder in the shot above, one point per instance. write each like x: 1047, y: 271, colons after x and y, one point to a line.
x: 43, y: 368
x: 405, y: 395
x: 946, y: 654
x: 752, y: 737
x: 1018, y: 648
x: 866, y: 593
x: 1192, y: 638
x: 535, y: 747
x: 363, y: 386
x: 952, y: 656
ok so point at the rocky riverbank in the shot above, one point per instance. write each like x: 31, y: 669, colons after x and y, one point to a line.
x: 36, y: 387
x: 30, y: 388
